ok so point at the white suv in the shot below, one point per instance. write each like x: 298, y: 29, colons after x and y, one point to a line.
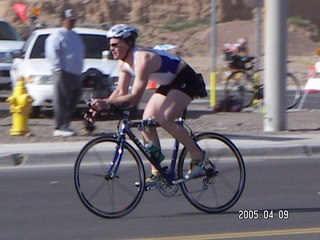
x: 9, y: 41
x: 99, y: 72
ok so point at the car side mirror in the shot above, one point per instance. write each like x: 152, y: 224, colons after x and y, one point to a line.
x: 17, y: 54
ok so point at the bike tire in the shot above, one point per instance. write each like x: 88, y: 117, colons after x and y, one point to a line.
x: 222, y: 181
x: 115, y: 196
x: 239, y: 85
x: 293, y: 89
x: 293, y: 86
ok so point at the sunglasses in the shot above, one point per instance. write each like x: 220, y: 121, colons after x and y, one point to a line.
x: 115, y: 45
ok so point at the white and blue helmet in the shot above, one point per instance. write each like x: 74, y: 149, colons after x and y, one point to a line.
x: 123, y: 31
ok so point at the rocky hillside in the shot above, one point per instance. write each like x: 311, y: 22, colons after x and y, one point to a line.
x: 154, y: 11
x: 184, y: 23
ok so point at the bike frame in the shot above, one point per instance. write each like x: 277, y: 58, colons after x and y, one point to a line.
x: 167, y: 173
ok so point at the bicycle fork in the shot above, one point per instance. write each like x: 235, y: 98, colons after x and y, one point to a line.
x: 111, y: 171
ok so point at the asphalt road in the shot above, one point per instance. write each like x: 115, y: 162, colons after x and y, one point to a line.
x: 41, y: 203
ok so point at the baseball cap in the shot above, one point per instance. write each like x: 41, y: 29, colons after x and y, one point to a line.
x: 69, y: 13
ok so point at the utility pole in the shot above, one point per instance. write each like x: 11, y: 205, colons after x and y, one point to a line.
x: 275, y: 65
x: 213, y: 73
x: 259, y: 4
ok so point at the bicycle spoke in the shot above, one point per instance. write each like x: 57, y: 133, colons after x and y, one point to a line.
x: 99, y: 188
x: 93, y: 174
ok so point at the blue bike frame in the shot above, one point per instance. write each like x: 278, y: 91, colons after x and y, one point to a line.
x: 167, y: 173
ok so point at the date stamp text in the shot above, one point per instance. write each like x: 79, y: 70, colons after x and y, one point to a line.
x: 263, y: 214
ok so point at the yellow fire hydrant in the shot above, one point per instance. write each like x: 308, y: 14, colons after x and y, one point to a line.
x: 20, y: 107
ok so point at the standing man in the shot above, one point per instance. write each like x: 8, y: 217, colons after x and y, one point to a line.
x: 65, y: 51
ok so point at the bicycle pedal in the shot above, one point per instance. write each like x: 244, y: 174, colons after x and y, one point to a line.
x: 179, y: 181
x: 150, y: 188
x: 165, y: 168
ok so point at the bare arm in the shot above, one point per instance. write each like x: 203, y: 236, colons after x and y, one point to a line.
x: 146, y: 63
x: 123, y: 84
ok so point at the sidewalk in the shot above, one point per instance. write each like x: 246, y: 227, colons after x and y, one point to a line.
x: 245, y: 129
x: 306, y: 145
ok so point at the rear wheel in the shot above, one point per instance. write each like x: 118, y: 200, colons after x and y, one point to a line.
x: 294, y: 93
x: 222, y: 180
x: 293, y: 89
x: 35, y: 112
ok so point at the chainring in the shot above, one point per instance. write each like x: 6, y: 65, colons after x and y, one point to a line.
x: 167, y: 190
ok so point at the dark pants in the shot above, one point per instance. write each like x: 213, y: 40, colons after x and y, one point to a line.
x: 67, y: 92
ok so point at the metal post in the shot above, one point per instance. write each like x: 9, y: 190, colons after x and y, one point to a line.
x: 259, y: 4
x: 275, y: 65
x: 213, y: 73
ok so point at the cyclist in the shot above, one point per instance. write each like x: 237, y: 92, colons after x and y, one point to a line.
x: 179, y: 84
x: 236, y: 54
x: 242, y: 47
x: 239, y: 48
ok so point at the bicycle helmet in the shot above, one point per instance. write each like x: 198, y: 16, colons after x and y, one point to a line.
x: 123, y: 31
x: 242, y: 40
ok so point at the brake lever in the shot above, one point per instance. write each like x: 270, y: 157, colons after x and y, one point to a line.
x: 89, y: 125
x: 88, y: 102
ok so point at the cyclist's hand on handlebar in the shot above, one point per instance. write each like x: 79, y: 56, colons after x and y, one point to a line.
x: 89, y: 120
x: 103, y: 107
x: 98, y: 105
x: 90, y: 115
x: 95, y: 108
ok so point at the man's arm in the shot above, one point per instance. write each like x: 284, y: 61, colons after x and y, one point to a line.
x: 123, y: 83
x: 53, y: 51
x: 145, y: 63
x: 142, y: 72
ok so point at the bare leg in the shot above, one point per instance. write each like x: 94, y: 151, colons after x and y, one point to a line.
x: 166, y: 109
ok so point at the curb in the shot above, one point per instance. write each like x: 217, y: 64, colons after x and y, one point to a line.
x: 68, y: 157
x: 284, y: 151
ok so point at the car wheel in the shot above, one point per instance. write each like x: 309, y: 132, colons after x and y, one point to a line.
x: 35, y: 112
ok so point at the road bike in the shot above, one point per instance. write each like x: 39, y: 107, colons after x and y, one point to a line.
x: 246, y: 84
x: 108, y: 169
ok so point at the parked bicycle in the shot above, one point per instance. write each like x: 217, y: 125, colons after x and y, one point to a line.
x: 109, y: 174
x: 246, y: 84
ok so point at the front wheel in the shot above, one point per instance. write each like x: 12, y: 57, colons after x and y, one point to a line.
x: 222, y: 180
x: 106, y: 188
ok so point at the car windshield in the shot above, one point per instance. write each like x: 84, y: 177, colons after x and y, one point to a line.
x: 8, y: 33
x: 94, y: 46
